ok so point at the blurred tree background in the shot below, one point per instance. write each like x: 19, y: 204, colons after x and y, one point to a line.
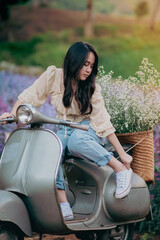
x: 39, y: 32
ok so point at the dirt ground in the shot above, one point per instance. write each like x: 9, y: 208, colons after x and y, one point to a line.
x: 50, y: 237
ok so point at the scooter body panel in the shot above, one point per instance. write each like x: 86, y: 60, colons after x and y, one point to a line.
x: 136, y: 205
x: 12, y: 209
x: 28, y: 172
x: 104, y: 211
x: 29, y: 166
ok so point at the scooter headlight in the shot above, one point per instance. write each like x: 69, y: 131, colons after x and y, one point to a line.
x: 24, y: 114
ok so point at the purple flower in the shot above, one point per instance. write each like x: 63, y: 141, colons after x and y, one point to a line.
x: 11, y: 85
x: 3, y: 106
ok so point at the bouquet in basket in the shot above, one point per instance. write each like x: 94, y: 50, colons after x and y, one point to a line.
x: 133, y: 103
x: 134, y: 107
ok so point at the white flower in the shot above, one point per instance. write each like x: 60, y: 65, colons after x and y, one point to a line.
x: 133, y: 103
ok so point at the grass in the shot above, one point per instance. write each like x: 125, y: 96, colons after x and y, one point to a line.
x: 121, y: 48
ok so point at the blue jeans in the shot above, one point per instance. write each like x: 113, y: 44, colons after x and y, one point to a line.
x: 82, y: 144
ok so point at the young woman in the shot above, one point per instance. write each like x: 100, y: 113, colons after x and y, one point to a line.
x: 76, y: 97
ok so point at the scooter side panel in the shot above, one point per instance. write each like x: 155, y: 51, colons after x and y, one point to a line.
x: 107, y: 211
x: 12, y: 209
x: 29, y: 166
x: 86, y: 181
x: 136, y: 205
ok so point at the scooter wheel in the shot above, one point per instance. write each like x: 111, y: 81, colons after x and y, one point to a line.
x: 9, y: 231
x: 89, y: 235
x: 122, y: 232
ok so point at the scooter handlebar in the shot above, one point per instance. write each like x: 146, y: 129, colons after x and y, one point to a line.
x: 8, y: 120
x: 66, y: 123
x: 73, y: 125
x: 33, y: 115
x: 78, y: 126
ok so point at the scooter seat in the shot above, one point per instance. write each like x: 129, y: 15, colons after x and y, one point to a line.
x: 110, y: 148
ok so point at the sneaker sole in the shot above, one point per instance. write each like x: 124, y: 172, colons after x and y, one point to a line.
x: 125, y: 193
x: 70, y: 217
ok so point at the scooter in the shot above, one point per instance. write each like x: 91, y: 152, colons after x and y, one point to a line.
x: 28, y: 195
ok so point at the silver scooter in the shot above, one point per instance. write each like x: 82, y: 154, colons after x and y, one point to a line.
x: 28, y: 195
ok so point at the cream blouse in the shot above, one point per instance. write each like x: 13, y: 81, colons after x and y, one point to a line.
x: 51, y: 82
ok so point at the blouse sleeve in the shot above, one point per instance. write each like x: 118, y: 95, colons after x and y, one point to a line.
x: 38, y: 92
x: 100, y: 118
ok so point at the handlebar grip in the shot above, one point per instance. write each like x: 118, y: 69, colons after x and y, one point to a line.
x: 8, y: 120
x: 78, y: 126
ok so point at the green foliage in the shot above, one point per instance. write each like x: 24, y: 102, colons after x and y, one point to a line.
x: 69, y: 4
x: 152, y: 227
x: 104, y: 30
x: 147, y: 236
x: 99, y: 30
x: 121, y: 48
x: 102, y: 6
x: 19, y: 52
x: 142, y: 9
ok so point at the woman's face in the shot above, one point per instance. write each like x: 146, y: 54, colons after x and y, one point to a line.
x: 87, y: 67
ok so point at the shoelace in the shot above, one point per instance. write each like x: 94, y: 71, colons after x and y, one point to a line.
x: 121, y: 181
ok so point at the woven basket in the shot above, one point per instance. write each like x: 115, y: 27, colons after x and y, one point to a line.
x: 142, y: 153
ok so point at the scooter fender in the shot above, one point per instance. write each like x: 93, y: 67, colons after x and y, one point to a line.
x: 135, y: 206
x: 12, y: 209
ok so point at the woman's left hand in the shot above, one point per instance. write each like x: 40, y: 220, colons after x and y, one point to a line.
x: 126, y: 159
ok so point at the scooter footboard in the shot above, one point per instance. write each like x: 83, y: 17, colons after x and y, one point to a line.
x: 12, y: 209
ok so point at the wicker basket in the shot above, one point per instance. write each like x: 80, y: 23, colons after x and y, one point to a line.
x: 142, y: 153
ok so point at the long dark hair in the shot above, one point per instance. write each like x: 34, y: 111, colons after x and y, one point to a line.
x: 73, y: 62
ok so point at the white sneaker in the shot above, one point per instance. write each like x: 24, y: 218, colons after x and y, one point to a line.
x: 123, y: 182
x: 66, y: 211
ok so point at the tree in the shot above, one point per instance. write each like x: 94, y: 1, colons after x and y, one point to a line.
x: 141, y: 9
x: 6, y: 27
x: 154, y: 14
x: 5, y: 8
x: 88, y: 26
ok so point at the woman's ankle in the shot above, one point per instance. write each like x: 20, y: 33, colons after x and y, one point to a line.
x: 121, y: 168
x: 116, y: 165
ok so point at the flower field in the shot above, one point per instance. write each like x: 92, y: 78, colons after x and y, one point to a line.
x: 11, y: 85
x: 131, y: 108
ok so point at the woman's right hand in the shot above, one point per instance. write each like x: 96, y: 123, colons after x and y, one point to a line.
x: 4, y: 116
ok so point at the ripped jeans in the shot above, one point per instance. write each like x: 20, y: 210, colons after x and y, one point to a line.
x: 82, y: 144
